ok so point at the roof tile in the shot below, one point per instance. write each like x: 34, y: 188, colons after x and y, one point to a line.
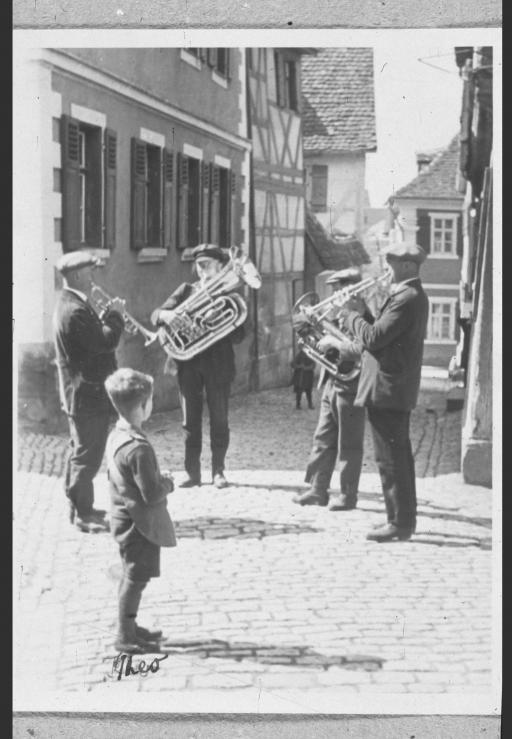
x: 338, y: 109
x: 439, y: 179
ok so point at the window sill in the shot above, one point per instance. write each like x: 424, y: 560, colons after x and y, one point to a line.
x: 151, y: 254
x: 434, y: 255
x: 430, y: 342
x: 100, y: 253
x: 220, y: 80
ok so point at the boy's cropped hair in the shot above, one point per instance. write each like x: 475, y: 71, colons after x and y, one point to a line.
x: 127, y: 388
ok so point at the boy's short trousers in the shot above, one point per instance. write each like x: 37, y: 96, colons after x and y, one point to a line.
x: 141, y: 558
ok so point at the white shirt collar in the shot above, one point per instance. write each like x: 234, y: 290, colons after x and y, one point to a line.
x: 124, y: 425
x: 80, y: 294
x: 398, y: 285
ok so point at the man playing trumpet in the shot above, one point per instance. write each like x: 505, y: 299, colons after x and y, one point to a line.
x: 390, y: 381
x: 85, y: 355
x: 340, y: 430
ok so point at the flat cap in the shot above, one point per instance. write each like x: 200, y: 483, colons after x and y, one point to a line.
x: 76, y: 260
x: 351, y: 274
x: 406, y: 252
x: 210, y: 250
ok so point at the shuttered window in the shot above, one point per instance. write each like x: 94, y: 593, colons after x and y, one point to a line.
x: 319, y: 188
x: 285, y: 71
x: 152, y: 203
x: 222, y: 205
x: 88, y: 180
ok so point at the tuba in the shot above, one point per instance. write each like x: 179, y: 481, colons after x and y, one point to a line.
x: 101, y: 302
x: 212, y: 311
x: 316, y: 323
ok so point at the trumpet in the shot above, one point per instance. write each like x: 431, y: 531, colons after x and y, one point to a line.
x: 316, y: 324
x: 102, y: 301
x: 211, y: 312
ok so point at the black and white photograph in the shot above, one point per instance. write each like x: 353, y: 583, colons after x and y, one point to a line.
x: 257, y: 371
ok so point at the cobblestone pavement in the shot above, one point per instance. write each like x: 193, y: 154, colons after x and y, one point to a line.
x: 262, y: 598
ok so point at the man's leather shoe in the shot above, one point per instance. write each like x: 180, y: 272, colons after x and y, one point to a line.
x: 190, y: 482
x: 389, y: 532
x: 341, y: 502
x: 220, y: 481
x: 148, y: 634
x: 91, y: 524
x: 310, y: 498
x: 136, y: 646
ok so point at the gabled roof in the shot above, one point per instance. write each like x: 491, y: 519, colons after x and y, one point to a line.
x: 439, y: 179
x: 338, y: 101
x: 333, y: 253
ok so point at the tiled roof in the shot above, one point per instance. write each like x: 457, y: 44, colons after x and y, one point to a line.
x: 331, y: 253
x: 338, y: 110
x: 439, y: 179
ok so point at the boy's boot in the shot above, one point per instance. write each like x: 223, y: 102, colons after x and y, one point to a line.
x: 127, y: 641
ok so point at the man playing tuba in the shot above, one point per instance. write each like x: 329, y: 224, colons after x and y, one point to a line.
x: 340, y: 429
x: 210, y: 371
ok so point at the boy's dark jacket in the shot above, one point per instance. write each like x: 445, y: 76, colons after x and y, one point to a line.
x: 137, y: 490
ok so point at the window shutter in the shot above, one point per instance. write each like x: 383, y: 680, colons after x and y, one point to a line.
x: 214, y: 207
x: 182, y: 201
x: 231, y: 209
x: 139, y: 200
x: 205, y: 215
x: 319, y: 187
x: 110, y: 167
x: 423, y: 233
x: 168, y: 197
x: 458, y: 235
x: 212, y: 57
x: 70, y: 184
x: 228, y: 64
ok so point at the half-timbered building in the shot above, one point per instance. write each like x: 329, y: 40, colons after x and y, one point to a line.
x: 274, y: 112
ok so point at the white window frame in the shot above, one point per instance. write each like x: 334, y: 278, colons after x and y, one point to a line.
x: 441, y: 300
x: 194, y: 61
x: 98, y: 119
x: 444, y: 216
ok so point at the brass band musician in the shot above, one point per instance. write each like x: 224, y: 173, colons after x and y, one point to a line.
x: 85, y: 353
x: 211, y: 371
x: 340, y: 429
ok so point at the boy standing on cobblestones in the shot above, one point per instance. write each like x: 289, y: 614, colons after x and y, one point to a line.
x: 340, y: 430
x: 140, y: 521
x: 85, y: 353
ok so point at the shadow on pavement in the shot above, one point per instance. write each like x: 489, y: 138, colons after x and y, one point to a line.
x: 437, y: 539
x: 486, y: 523
x: 213, y: 527
x: 294, y: 656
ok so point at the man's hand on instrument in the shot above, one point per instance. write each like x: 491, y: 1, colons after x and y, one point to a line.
x: 117, y: 305
x: 166, y: 316
x: 356, y: 303
x: 327, y: 343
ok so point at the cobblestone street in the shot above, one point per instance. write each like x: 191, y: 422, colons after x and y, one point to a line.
x: 270, y: 606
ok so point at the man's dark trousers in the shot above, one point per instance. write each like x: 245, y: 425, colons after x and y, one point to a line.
x: 88, y: 438
x: 339, y: 435
x: 393, y: 454
x: 191, y: 383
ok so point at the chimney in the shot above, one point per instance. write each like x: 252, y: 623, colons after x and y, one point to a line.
x: 422, y: 161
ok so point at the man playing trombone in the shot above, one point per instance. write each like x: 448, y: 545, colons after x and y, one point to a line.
x: 340, y: 430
